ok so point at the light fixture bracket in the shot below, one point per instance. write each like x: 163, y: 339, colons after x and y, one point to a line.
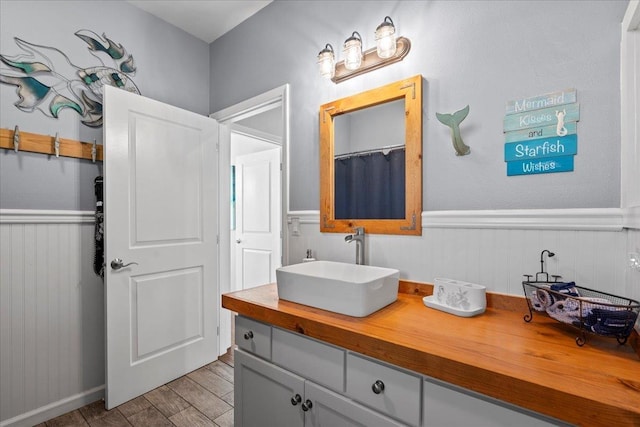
x: 371, y: 61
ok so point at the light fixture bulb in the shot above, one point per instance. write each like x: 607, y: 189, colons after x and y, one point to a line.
x: 327, y: 62
x: 353, y: 51
x: 386, y: 38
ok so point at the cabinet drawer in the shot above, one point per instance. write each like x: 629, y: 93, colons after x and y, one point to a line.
x: 319, y: 362
x: 334, y: 410
x: 446, y: 405
x: 397, y: 394
x: 253, y: 336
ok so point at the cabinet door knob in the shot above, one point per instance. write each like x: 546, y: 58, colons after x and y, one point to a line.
x: 296, y: 399
x: 248, y: 335
x: 378, y: 387
x: 307, y: 405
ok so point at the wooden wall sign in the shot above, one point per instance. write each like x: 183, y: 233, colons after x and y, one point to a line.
x: 541, y: 133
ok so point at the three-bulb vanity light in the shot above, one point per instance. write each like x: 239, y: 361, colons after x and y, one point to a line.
x: 388, y: 50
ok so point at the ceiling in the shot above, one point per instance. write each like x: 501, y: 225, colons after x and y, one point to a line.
x: 204, y: 19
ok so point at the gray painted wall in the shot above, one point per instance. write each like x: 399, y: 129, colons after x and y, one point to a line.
x: 481, y: 53
x: 172, y: 67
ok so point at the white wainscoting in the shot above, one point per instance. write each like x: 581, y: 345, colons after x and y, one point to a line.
x: 52, y: 304
x: 492, y: 248
x: 52, y: 315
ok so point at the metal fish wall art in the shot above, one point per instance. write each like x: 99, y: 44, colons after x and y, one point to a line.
x: 48, y: 81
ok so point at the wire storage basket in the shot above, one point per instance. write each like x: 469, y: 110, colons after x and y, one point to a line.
x: 587, y: 309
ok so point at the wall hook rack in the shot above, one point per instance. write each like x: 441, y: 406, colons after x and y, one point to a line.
x: 17, y: 140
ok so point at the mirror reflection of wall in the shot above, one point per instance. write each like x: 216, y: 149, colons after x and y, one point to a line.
x: 370, y: 128
x: 369, y: 163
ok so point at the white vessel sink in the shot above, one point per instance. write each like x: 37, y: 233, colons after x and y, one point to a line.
x: 351, y: 289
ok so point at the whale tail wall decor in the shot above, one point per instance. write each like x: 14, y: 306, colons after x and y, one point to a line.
x: 453, y: 121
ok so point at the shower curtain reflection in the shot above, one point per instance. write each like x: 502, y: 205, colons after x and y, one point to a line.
x: 371, y: 185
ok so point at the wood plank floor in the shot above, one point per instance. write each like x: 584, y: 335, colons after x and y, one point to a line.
x: 201, y: 398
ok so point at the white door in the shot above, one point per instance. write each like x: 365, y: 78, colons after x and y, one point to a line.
x: 161, y: 214
x: 257, y: 218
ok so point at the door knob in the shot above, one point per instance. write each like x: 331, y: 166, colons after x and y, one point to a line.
x: 238, y: 241
x: 116, y: 264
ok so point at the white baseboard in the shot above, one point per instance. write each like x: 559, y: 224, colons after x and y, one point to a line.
x: 55, y: 409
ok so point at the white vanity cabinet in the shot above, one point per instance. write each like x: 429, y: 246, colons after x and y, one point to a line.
x: 269, y: 396
x: 300, y: 383
x: 287, y: 379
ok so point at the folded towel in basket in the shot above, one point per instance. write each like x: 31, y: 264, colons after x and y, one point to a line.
x: 616, y: 321
x: 587, y: 304
x: 568, y: 288
x: 541, y: 299
x: 570, y: 310
x: 562, y: 301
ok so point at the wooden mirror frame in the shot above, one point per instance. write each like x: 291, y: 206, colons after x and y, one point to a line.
x: 411, y: 91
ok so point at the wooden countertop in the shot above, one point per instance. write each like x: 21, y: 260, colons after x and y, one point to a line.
x: 534, y: 365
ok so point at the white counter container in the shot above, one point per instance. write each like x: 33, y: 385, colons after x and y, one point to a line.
x: 457, y: 297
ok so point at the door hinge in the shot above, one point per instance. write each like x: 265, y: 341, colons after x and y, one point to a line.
x: 217, y: 146
x: 218, y: 330
x: 217, y: 239
x: 280, y: 165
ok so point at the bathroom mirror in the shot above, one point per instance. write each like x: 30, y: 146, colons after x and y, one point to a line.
x: 371, y: 161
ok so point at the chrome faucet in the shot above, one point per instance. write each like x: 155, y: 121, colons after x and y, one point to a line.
x: 359, y: 239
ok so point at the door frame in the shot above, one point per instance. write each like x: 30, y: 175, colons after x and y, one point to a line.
x: 629, y: 123
x: 226, y: 118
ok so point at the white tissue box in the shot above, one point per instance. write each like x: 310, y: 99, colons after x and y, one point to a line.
x: 457, y: 297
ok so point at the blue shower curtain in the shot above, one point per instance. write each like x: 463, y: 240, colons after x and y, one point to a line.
x: 370, y: 186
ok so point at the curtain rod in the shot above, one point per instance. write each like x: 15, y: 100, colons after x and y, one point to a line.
x: 375, y: 150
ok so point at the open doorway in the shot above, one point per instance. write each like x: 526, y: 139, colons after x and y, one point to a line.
x: 255, y: 216
x: 253, y: 138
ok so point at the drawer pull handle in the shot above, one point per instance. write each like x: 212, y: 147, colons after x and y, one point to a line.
x: 307, y: 405
x: 248, y: 335
x: 296, y: 399
x: 378, y: 387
